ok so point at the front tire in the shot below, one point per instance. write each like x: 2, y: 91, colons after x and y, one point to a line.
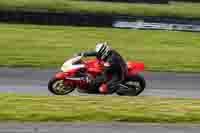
x: 136, y: 85
x: 57, y: 87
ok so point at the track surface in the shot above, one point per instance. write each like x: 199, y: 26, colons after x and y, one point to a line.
x: 34, y: 81
x: 97, y: 128
x: 165, y: 84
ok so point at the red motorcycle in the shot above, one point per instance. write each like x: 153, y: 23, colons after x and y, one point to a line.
x: 79, y: 74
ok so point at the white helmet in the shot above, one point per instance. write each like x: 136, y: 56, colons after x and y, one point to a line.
x: 103, y: 50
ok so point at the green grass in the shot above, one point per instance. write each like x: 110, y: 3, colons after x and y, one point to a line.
x: 45, y: 46
x: 174, y: 10
x: 98, y: 109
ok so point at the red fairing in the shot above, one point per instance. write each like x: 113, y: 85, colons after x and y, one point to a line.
x: 77, y: 82
x: 61, y: 75
x: 135, y: 67
x: 94, y: 66
x: 73, y: 82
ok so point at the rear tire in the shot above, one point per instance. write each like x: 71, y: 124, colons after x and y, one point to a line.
x: 136, y: 87
x: 57, y: 87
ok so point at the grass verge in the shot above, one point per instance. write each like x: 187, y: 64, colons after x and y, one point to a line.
x: 191, y: 10
x: 45, y: 46
x: 98, y: 109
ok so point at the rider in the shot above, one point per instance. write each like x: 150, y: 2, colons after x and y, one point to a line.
x: 114, y: 65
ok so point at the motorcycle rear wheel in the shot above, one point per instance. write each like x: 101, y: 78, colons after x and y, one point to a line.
x: 57, y: 87
x: 135, y: 84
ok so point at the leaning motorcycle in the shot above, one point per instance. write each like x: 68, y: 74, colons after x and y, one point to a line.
x: 79, y: 74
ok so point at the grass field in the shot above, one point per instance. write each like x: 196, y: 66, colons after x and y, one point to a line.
x: 173, y: 10
x: 45, y: 46
x: 98, y: 109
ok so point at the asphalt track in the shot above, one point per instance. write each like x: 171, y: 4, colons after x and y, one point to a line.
x: 96, y: 128
x: 163, y: 84
x: 34, y: 82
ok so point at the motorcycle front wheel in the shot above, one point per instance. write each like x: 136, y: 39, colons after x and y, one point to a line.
x: 132, y: 86
x: 57, y: 87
